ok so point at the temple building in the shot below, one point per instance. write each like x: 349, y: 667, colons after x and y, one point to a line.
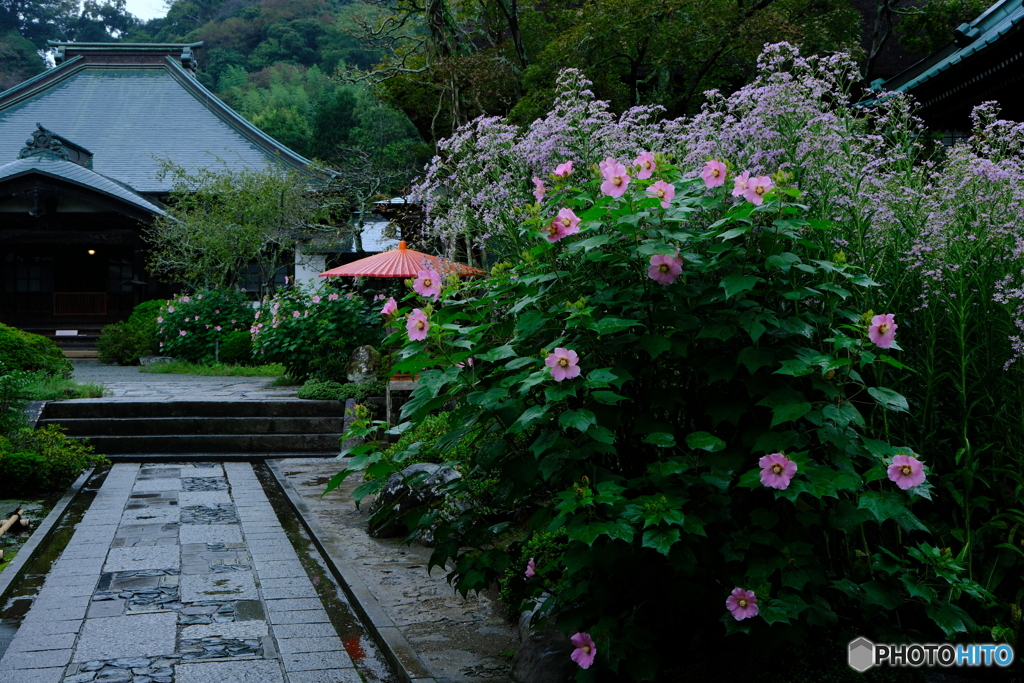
x: 982, y: 62
x: 81, y: 147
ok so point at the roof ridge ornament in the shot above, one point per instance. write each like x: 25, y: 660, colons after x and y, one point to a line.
x: 43, y: 143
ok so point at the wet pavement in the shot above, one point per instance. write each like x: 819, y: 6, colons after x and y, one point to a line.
x: 128, y: 383
x: 178, y: 574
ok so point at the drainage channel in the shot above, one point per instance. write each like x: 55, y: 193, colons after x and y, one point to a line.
x: 18, y: 600
x: 360, y: 646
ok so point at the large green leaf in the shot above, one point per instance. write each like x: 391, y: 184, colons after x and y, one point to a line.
x: 661, y: 540
x: 580, y: 419
x: 889, y: 399
x: 735, y: 283
x: 704, y: 441
x: 885, y: 505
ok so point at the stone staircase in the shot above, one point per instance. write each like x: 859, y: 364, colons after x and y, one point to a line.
x: 126, y: 430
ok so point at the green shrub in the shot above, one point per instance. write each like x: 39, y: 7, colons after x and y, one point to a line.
x: 32, y: 353
x: 13, y: 397
x: 123, y: 343
x: 42, y: 460
x: 236, y: 349
x: 426, y: 433
x: 330, y: 358
x: 194, y: 327
x: 317, y: 390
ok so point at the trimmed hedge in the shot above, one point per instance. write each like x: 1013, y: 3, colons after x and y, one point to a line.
x: 21, y: 350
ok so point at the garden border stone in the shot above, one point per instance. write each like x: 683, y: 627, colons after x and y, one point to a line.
x: 42, y: 532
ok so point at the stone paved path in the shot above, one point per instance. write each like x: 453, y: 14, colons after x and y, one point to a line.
x: 178, y: 574
x: 129, y: 383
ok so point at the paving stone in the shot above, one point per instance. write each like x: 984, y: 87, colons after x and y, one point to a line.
x: 48, y: 628
x: 223, y: 586
x: 136, y: 635
x: 106, y: 608
x: 87, y: 677
x: 325, y: 676
x: 312, y: 616
x: 35, y: 660
x: 60, y: 641
x: 315, y: 661
x: 151, y: 515
x: 238, y: 629
x: 324, y: 644
x: 152, y: 557
x: 278, y: 569
x: 292, y: 604
x: 255, y: 671
x: 171, y: 483
x: 208, y: 498
x: 249, y: 610
x: 280, y: 592
x: 51, y: 675
x: 304, y: 630
x: 210, y: 533
x: 66, y: 612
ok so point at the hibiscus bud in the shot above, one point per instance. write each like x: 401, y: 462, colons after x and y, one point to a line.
x: 839, y: 257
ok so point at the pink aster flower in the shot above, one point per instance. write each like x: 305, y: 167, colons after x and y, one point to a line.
x: 664, y: 268
x: 662, y: 191
x: 742, y: 604
x: 646, y: 163
x: 332, y: 297
x: 564, y: 224
x: 882, y: 331
x: 564, y: 364
x: 417, y: 325
x: 316, y: 299
x: 585, y: 651
x: 564, y: 170
x: 906, y: 471
x: 777, y: 470
x: 714, y: 174
x: 390, y: 307
x: 185, y: 299
x: 615, y: 179
x: 428, y: 283
x: 756, y: 188
x: 538, y: 190
x: 531, y: 569
x: 740, y: 184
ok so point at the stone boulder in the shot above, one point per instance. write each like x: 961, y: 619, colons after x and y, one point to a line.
x: 399, y: 495
x: 363, y: 365
x: 544, y: 657
x: 153, y: 360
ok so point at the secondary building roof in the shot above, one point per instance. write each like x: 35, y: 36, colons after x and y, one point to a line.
x: 132, y: 106
x: 983, y: 62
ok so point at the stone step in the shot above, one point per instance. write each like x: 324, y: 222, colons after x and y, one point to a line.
x: 116, y: 409
x: 156, y: 426
x: 189, y: 444
x: 80, y: 353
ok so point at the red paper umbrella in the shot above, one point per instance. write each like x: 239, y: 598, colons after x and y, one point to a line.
x: 402, y: 262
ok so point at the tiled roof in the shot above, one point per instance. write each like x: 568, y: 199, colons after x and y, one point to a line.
x: 131, y: 116
x: 78, y: 175
x: 970, y: 39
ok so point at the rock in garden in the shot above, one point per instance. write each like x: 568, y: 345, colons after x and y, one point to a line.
x: 363, y: 365
x: 153, y: 360
x: 399, y: 497
x: 544, y: 657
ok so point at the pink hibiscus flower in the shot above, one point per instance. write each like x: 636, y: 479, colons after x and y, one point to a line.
x: 295, y: 314
x: 646, y: 163
x: 185, y: 299
x: 906, y: 471
x: 170, y: 309
x: 564, y: 224
x: 664, y: 268
x: 882, y: 331
x: 615, y: 179
x: 390, y: 307
x: 662, y: 191
x: 564, y: 170
x: 564, y: 364
x: 756, y: 188
x: 316, y: 299
x: 182, y: 332
x: 714, y: 174
x: 531, y: 569
x: 777, y: 470
x: 538, y: 190
x: 160, y: 320
x: 585, y: 651
x: 428, y: 283
x: 217, y: 328
x: 417, y: 325
x: 740, y: 184
x: 332, y: 297
x: 742, y: 604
